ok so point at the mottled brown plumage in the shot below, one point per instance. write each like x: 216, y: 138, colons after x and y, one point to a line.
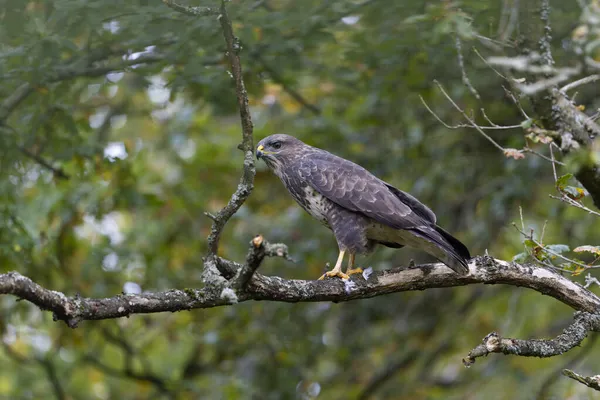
x: 360, y: 209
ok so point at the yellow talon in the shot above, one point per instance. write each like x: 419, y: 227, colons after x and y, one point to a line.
x: 337, y: 270
x: 352, y: 271
x: 333, y: 273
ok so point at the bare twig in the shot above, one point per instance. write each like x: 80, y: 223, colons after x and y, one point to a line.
x: 56, y: 171
x: 545, y: 41
x: 580, y: 82
x: 469, y: 119
x: 516, y: 102
x: 461, y: 126
x: 551, y: 379
x: 572, y: 336
x: 461, y: 65
x: 259, y: 249
x: 537, y: 153
x: 12, y: 101
x: 247, y: 146
x: 53, y: 377
x: 193, y: 11
x: 590, y: 381
x: 129, y: 373
x: 546, y: 249
x: 553, y: 163
x: 574, y: 203
x: 277, y: 78
x: 71, y: 71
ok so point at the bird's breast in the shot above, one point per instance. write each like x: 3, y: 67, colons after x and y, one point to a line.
x: 314, y: 203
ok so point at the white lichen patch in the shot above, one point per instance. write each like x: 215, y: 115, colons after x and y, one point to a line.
x: 138, y: 301
x: 547, y: 274
x: 121, y: 309
x: 349, y: 286
x: 407, y: 275
x: 59, y: 294
x: 367, y: 273
x: 229, y: 295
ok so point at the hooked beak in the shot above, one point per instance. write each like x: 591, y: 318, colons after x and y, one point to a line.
x: 259, y: 151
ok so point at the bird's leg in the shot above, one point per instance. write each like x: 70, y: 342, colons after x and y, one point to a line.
x: 350, y: 270
x: 337, y: 270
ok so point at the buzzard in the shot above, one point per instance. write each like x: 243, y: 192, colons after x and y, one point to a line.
x: 360, y: 209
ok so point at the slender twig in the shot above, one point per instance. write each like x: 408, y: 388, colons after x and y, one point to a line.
x: 247, y: 146
x: 277, y: 78
x: 489, y: 65
x: 552, y: 252
x: 547, y: 385
x: 129, y: 373
x: 12, y: 101
x: 461, y: 65
x: 53, y: 377
x: 574, y: 203
x: 545, y: 41
x: 572, y: 336
x: 580, y: 82
x: 553, y: 160
x: 537, y: 153
x: 469, y: 119
x: 56, y: 171
x: 516, y: 102
x: 72, y: 71
x: 193, y: 11
x: 590, y: 381
x: 461, y: 126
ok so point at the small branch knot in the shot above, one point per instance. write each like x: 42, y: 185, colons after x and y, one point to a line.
x: 257, y: 241
x: 492, y: 342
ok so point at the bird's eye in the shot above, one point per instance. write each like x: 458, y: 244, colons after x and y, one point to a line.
x: 276, y: 145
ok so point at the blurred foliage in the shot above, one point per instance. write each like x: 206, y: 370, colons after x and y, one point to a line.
x: 149, y: 147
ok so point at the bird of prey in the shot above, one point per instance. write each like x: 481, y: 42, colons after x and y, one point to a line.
x: 360, y: 209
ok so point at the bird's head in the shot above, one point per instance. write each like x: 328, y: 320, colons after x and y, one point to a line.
x: 275, y: 149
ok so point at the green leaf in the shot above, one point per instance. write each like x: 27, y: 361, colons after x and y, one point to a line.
x: 576, y: 193
x: 561, y: 182
x: 416, y: 18
x: 558, y: 248
x: 529, y: 243
x: 527, y: 123
x: 520, y: 258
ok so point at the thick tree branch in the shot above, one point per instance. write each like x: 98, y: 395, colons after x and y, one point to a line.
x: 482, y: 270
x: 572, y: 336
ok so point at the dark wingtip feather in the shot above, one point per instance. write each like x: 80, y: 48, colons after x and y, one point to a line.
x: 457, y: 254
x: 457, y: 245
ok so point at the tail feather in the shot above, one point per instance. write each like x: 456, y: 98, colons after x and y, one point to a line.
x: 456, y: 244
x: 455, y: 254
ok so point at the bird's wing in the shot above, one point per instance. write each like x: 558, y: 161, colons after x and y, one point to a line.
x: 354, y: 188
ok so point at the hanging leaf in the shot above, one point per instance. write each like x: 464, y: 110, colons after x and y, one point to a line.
x: 520, y: 258
x: 588, y: 249
x: 514, y: 153
x: 576, y: 193
x: 558, y: 248
x: 561, y: 182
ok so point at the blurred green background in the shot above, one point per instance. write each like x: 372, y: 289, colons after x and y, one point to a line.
x: 149, y: 147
